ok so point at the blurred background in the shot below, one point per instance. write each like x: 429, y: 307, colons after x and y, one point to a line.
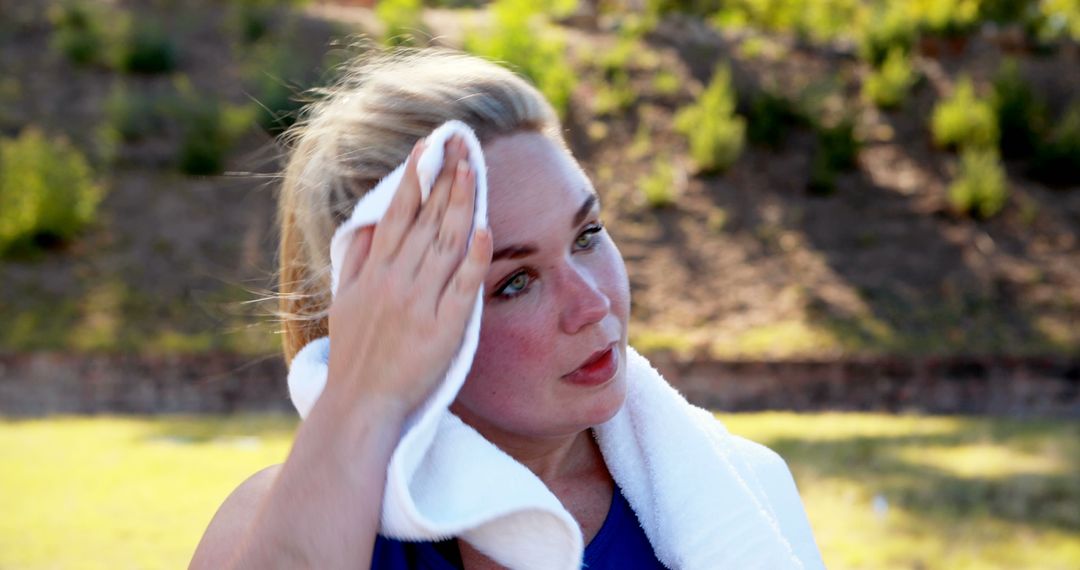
x: 850, y: 229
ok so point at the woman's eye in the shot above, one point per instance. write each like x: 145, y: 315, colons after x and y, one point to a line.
x: 589, y: 235
x: 516, y: 285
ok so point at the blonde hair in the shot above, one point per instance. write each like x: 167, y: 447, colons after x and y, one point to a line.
x: 357, y: 132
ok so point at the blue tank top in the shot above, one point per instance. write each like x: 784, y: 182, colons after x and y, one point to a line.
x: 620, y: 543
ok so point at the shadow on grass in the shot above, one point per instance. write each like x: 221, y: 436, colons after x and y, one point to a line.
x: 935, y: 478
x: 195, y: 430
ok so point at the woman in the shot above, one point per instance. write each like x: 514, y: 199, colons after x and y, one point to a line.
x: 550, y: 363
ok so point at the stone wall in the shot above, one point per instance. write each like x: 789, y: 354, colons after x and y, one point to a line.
x: 36, y: 384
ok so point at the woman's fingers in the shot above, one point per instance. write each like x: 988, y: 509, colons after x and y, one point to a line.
x: 356, y: 254
x: 457, y: 298
x: 417, y: 244
x: 448, y: 248
x: 401, y: 214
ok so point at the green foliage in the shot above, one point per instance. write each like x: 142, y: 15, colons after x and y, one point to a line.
x: 47, y: 191
x: 770, y: 118
x: 1057, y: 160
x: 666, y: 83
x: 963, y: 120
x: 820, y: 21
x: 402, y: 20
x: 1021, y: 116
x: 1059, y: 19
x: 209, y: 128
x: 79, y: 31
x: 148, y: 49
x: 132, y: 115
x: 280, y: 85
x: 887, y: 87
x: 888, y: 27
x: 836, y: 150
x: 716, y: 134
x: 694, y: 7
x: 659, y: 186
x: 946, y: 17
x: 615, y: 93
x: 524, y: 39
x: 980, y: 189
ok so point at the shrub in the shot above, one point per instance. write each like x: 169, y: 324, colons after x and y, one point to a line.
x: 523, y: 38
x: 208, y: 127
x: 47, y: 192
x: 888, y: 86
x: 836, y: 150
x: 964, y: 121
x: 148, y: 49
x: 1056, y: 160
x: 79, y: 32
x: 276, y: 84
x: 660, y: 186
x: 402, y: 20
x: 946, y: 17
x: 716, y: 134
x: 1021, y: 117
x: 770, y: 118
x: 980, y: 188
x: 666, y: 83
x: 133, y: 116
x: 890, y: 26
x: 838, y: 144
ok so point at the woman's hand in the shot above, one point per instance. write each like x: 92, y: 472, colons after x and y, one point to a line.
x: 406, y: 290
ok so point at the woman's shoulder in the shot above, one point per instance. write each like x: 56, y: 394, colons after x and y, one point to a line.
x: 232, y: 519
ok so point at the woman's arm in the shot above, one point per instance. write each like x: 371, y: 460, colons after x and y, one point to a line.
x: 321, y: 508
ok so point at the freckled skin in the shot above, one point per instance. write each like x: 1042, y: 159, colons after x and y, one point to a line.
x: 577, y: 301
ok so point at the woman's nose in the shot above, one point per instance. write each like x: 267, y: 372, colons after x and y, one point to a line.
x: 584, y: 302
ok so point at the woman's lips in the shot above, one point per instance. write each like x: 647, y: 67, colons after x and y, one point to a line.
x: 596, y: 371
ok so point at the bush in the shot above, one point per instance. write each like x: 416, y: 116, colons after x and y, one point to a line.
x: 660, y: 186
x: 888, y: 27
x: 79, y: 32
x: 1021, y: 117
x: 148, y: 49
x: 523, y: 37
x: 133, y: 116
x: 980, y: 188
x: 209, y: 127
x: 276, y: 85
x: 963, y: 121
x: 716, y: 134
x: 1056, y: 161
x: 770, y: 118
x: 402, y: 21
x: 47, y: 192
x: 946, y: 17
x: 836, y: 150
x: 888, y: 86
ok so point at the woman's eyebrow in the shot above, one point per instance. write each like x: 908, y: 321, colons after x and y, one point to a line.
x: 583, y: 211
x: 518, y: 251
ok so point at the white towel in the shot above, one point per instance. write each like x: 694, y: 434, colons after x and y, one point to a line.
x: 705, y: 498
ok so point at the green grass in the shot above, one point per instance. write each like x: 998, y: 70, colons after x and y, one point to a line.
x: 123, y: 492
x: 881, y: 491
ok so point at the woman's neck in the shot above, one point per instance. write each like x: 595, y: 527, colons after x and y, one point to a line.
x: 553, y: 459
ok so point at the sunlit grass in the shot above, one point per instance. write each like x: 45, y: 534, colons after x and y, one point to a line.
x: 122, y: 492
x: 932, y: 492
x: 881, y: 491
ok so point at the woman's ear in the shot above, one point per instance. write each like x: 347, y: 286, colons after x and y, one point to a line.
x: 357, y: 253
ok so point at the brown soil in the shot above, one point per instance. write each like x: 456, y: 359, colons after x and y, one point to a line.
x: 747, y: 264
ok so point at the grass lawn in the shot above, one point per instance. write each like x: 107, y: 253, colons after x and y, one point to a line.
x: 882, y: 491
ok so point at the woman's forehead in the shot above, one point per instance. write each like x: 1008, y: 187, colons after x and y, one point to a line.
x: 532, y: 181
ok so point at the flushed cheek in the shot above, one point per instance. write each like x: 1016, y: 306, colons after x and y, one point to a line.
x: 504, y: 354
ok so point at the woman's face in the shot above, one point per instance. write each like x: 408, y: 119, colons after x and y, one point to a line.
x: 556, y: 294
